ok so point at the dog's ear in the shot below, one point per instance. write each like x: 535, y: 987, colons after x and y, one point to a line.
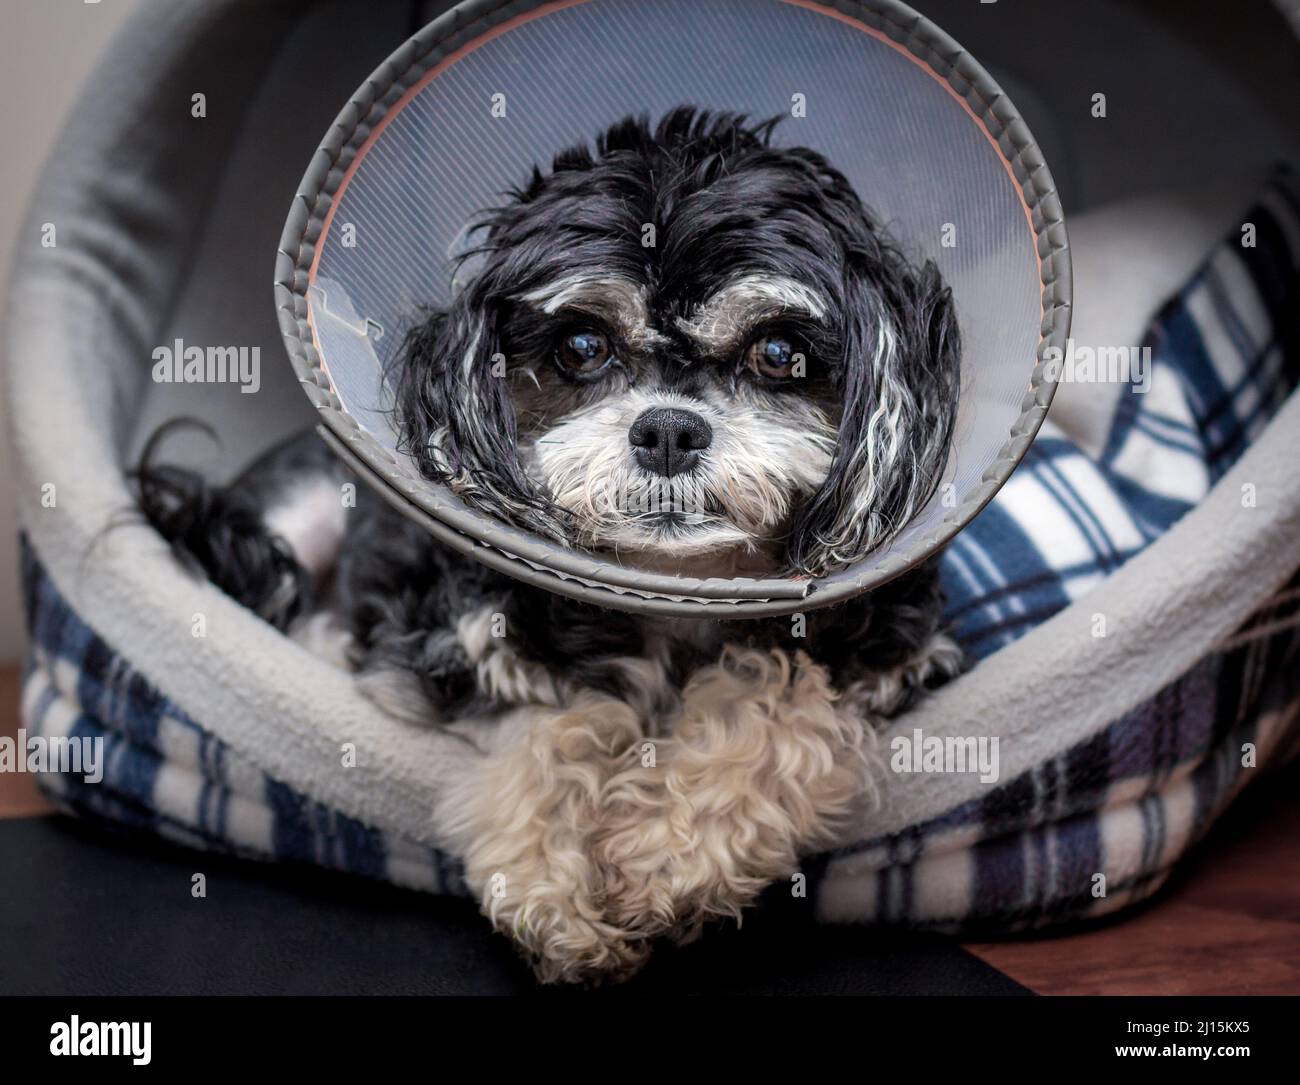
x: 900, y: 386
x: 454, y: 413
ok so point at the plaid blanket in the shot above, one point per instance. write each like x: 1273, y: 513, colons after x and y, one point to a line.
x: 1224, y: 353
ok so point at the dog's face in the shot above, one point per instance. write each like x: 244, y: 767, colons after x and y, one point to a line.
x: 691, y: 348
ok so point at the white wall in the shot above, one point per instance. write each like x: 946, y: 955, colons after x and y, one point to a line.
x: 47, y: 47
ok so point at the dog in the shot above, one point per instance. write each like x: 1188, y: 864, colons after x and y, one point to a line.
x: 694, y: 351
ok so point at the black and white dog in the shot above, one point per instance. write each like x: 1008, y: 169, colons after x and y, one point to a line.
x: 695, y: 351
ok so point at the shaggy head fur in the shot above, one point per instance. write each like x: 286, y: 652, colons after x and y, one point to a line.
x: 689, y: 344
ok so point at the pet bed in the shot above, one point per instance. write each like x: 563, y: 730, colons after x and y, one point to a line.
x: 1116, y: 751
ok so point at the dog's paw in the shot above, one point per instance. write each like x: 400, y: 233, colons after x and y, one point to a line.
x: 564, y: 938
x: 887, y: 693
x: 762, y: 767
x: 529, y: 823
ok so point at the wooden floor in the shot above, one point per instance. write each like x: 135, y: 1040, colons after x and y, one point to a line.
x: 18, y: 794
x: 1228, y: 924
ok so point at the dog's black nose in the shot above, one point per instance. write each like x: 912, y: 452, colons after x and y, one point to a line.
x: 667, y: 441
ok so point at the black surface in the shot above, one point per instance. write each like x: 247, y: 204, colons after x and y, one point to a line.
x: 85, y: 913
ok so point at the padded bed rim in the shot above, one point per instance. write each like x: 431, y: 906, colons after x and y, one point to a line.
x: 289, y: 712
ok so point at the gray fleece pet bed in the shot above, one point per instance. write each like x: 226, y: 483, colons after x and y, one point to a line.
x: 1115, y: 752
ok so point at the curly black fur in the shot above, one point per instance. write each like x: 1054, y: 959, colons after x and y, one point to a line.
x: 218, y: 533
x: 724, y: 200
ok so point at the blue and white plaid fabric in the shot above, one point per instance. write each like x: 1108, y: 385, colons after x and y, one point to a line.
x: 164, y: 774
x: 1102, y: 825
x: 1225, y: 353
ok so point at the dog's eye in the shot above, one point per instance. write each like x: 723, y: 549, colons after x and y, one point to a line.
x: 774, y: 356
x: 584, y: 353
